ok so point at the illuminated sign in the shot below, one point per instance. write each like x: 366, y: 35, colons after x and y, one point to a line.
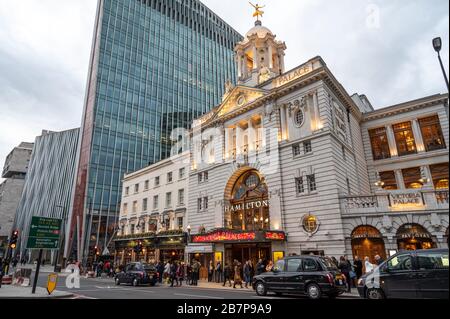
x: 224, y: 236
x: 247, y: 206
x: 275, y: 236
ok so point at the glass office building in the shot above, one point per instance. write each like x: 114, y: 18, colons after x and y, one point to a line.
x: 155, y: 66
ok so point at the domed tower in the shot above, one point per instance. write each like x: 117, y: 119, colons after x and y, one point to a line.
x: 259, y: 57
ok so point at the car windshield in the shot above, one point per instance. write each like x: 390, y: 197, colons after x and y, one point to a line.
x: 328, y: 263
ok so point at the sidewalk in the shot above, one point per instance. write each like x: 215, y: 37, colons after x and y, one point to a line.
x: 13, y: 292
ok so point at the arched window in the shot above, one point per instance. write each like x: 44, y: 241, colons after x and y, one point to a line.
x: 250, y: 203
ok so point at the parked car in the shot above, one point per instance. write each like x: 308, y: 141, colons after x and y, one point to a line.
x: 312, y: 276
x: 421, y: 274
x: 138, y: 274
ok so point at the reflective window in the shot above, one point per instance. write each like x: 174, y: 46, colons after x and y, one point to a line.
x: 440, y: 176
x: 404, y: 137
x: 309, y: 265
x: 412, y: 178
x: 400, y: 263
x: 389, y: 181
x: 293, y: 265
x: 380, y: 144
x: 432, y: 135
x: 279, y: 266
x: 432, y: 261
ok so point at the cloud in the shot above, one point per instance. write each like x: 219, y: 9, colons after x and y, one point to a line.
x: 45, y: 47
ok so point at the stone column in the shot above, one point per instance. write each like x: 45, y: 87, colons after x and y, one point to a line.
x: 251, y: 136
x: 255, y: 58
x: 283, y: 122
x: 318, y: 124
x: 228, y: 132
x: 276, y: 222
x: 270, y: 54
x: 239, y: 139
x: 391, y: 141
x: 418, y: 136
x: 399, y: 178
x: 239, y: 65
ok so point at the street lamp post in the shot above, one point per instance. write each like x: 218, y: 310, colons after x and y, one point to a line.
x: 437, y: 45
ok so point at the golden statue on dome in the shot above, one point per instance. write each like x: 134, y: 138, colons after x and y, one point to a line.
x: 258, y: 13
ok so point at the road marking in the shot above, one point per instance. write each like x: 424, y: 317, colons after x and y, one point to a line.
x: 198, y: 296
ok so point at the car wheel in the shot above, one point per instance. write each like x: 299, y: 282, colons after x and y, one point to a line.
x: 135, y: 282
x: 313, y: 291
x: 374, y: 294
x: 261, y: 289
x: 117, y: 282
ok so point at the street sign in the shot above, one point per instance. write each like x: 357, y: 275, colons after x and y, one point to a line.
x: 44, y: 233
x: 51, y: 283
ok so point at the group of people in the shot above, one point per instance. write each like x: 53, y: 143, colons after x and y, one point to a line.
x: 103, y: 267
x: 354, y: 271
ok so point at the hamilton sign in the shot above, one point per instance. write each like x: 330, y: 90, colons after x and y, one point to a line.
x: 246, y: 206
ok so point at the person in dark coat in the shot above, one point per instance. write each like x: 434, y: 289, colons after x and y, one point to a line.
x: 260, y: 267
x: 219, y: 272
x: 227, y: 275
x: 160, y: 269
x: 358, y: 267
x: 247, y: 274
x: 173, y: 274
x: 345, y: 268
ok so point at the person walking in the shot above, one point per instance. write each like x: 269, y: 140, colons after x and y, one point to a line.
x: 195, y: 272
x: 166, y: 275
x: 219, y: 272
x: 173, y: 274
x: 180, y: 274
x: 358, y: 267
x: 227, y: 275
x: 369, y: 267
x: 247, y: 273
x: 260, y: 267
x: 160, y: 270
x: 210, y: 271
x: 345, y: 268
x: 189, y: 275
x: 237, y: 275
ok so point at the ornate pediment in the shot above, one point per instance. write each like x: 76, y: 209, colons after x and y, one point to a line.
x: 238, y: 98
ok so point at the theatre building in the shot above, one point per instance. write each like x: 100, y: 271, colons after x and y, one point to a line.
x: 290, y: 163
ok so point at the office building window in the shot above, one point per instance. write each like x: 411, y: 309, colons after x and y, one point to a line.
x: 155, y: 202
x: 144, y: 204
x: 135, y: 207
x: 199, y: 204
x: 168, y: 200
x: 205, y: 203
x: 205, y: 176
x: 125, y: 208
x: 127, y: 191
x: 146, y: 185
x: 157, y: 181
x: 299, y: 186
x: 169, y: 177
x: 312, y: 186
x: 439, y: 174
x: 404, y: 137
x: 181, y: 197
x: 380, y: 144
x: 412, y: 178
x: 296, y: 149
x: 307, y: 147
x: 432, y: 135
x: 389, y: 181
x: 136, y: 188
x: 200, y: 177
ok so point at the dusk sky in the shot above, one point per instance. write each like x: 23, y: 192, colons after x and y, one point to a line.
x: 381, y: 48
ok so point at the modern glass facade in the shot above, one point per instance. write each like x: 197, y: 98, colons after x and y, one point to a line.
x: 156, y: 65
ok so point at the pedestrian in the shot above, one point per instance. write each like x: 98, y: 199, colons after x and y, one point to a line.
x: 227, y: 274
x: 260, y: 267
x: 180, y: 274
x: 15, y: 261
x: 188, y: 274
x: 379, y: 260
x: 335, y: 262
x: 368, y: 265
x: 210, y: 271
x: 358, y: 267
x: 173, y: 274
x: 269, y: 267
x: 219, y: 272
x: 160, y: 270
x: 247, y: 273
x: 195, y: 272
x: 237, y: 274
x: 345, y: 270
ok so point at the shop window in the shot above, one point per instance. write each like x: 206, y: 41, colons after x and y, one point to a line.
x: 404, y: 137
x: 432, y: 135
x: 440, y: 176
x: 412, y: 178
x: 389, y: 181
x: 380, y: 144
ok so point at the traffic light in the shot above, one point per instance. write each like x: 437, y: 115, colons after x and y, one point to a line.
x: 13, y: 240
